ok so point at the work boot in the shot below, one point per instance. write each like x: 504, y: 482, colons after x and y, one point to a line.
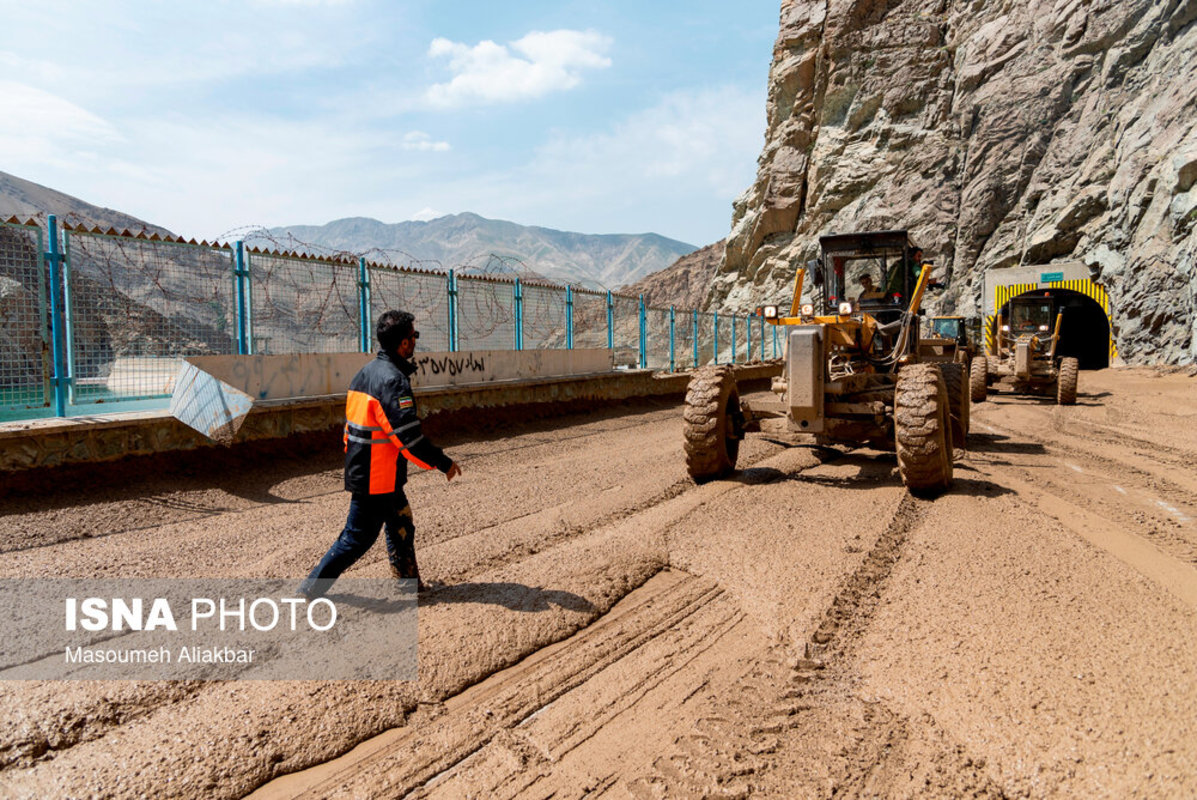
x: 412, y: 572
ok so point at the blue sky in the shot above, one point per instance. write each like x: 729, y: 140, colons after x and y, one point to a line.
x: 204, y: 117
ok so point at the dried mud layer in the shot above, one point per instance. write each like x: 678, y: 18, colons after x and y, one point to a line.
x: 608, y: 629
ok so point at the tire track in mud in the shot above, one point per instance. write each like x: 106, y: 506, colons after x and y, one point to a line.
x: 94, y: 713
x: 564, y: 530
x: 188, y: 510
x: 794, y: 705
x: 439, y: 740
x: 1153, y: 519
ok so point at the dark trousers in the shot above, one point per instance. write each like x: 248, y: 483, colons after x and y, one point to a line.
x: 368, y: 513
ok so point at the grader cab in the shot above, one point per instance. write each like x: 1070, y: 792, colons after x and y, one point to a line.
x: 1025, y: 353
x: 852, y: 375
x: 948, y: 339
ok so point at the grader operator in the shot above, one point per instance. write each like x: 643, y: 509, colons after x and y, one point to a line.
x: 853, y: 373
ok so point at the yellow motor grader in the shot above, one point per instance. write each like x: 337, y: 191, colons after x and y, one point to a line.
x: 1024, y: 356
x: 950, y: 339
x: 852, y: 373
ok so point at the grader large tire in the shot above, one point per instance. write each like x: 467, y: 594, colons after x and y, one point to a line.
x: 959, y: 408
x: 712, y: 427
x: 1066, y: 382
x: 978, y: 379
x: 922, y: 432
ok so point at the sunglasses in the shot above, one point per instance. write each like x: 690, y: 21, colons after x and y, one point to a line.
x: 414, y: 335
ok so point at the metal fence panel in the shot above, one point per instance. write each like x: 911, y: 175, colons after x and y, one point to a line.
x: 723, y: 339
x: 742, y: 338
x: 485, y: 314
x: 303, y: 305
x: 423, y: 294
x: 136, y: 307
x: 657, y: 333
x: 590, y: 319
x: 706, y: 339
x: 627, y: 331
x: 544, y: 317
x: 25, y: 354
x: 683, y: 335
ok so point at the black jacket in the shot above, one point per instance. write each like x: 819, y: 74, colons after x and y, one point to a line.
x: 382, y: 429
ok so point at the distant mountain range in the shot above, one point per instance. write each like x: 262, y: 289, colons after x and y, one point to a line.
x: 465, y: 242
x: 470, y: 243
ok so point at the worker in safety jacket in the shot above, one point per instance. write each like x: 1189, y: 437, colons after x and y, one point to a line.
x: 382, y: 433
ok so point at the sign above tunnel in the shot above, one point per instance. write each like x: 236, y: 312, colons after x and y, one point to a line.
x: 1049, y: 277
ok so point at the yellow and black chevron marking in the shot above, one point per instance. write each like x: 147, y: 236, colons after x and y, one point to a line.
x: 1003, y: 295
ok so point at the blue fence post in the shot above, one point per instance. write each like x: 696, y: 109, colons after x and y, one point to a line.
x: 610, y: 322
x: 761, y: 318
x: 643, y: 335
x: 569, y: 317
x: 53, y: 257
x: 694, y: 331
x: 452, y: 312
x: 715, y: 334
x: 240, y: 288
x: 748, y: 327
x: 519, y: 314
x: 363, y: 302
x: 775, y: 341
x: 672, y: 361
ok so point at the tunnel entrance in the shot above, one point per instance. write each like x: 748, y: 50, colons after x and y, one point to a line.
x: 1085, y: 332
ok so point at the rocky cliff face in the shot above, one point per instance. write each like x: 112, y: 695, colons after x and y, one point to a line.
x: 684, y: 283
x: 999, y: 133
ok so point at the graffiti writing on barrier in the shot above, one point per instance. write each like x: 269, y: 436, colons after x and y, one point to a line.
x: 451, y: 365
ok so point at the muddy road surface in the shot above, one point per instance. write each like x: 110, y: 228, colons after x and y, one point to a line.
x: 605, y: 628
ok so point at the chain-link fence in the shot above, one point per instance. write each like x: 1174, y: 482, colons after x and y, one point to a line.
x: 657, y: 333
x: 590, y: 319
x: 485, y: 314
x: 130, y: 308
x: 303, y: 305
x: 25, y: 356
x: 424, y: 294
x: 136, y: 307
x: 544, y: 317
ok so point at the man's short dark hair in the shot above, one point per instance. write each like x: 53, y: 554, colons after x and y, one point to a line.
x: 393, y: 328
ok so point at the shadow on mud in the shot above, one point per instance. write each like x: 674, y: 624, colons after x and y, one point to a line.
x: 977, y: 487
x: 996, y: 443
x: 873, y: 469
x: 513, y: 596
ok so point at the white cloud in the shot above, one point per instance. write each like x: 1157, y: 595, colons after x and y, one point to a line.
x: 37, y: 125
x: 537, y: 64
x: 673, y: 168
x: 426, y: 213
x: 706, y: 139
x: 418, y: 140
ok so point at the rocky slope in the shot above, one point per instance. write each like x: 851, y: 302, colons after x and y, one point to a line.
x: 999, y: 133
x: 685, y: 282
x: 24, y: 199
x: 471, y: 242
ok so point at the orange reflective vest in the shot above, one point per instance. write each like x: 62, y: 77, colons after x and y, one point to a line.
x: 382, y: 429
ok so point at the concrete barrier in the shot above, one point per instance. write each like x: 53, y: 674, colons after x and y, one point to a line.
x: 56, y: 442
x: 214, y: 394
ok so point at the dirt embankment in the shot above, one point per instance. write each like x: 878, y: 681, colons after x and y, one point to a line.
x: 609, y: 629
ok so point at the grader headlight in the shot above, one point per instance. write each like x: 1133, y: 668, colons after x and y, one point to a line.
x: 770, y: 312
x: 846, y: 308
x: 808, y: 309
